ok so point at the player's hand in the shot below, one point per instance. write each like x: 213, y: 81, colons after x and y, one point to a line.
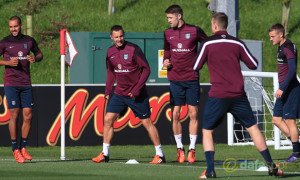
x: 131, y: 95
x: 107, y: 97
x: 13, y: 62
x: 167, y: 63
x: 31, y: 59
x: 278, y: 93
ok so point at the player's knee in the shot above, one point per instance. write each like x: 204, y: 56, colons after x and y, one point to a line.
x: 276, y: 121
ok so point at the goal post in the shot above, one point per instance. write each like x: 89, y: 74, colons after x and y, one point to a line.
x: 272, y: 134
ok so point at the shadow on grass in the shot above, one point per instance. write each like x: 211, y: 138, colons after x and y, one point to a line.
x: 128, y: 5
x: 294, y: 28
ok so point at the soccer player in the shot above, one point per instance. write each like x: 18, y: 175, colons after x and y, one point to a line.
x: 222, y: 53
x: 180, y: 48
x: 287, y: 105
x: 15, y: 49
x: 126, y: 63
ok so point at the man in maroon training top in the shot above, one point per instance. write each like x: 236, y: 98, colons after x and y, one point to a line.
x: 126, y: 63
x: 15, y: 49
x: 222, y: 53
x: 180, y: 48
x: 287, y: 105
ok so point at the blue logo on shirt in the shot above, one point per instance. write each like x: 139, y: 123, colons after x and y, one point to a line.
x: 187, y: 35
x: 125, y: 57
x: 25, y: 45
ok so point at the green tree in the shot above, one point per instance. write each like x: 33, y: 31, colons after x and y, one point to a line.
x: 286, y: 5
x: 30, y: 8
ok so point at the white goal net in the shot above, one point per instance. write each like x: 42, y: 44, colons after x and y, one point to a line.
x: 260, y: 88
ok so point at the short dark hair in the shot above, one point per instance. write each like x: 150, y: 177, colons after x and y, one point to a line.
x: 174, y: 9
x: 116, y: 28
x: 279, y: 28
x: 16, y: 18
x: 221, y: 19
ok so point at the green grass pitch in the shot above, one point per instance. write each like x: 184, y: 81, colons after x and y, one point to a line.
x: 46, y: 163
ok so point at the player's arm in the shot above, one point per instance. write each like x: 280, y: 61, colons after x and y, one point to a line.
x: 292, y: 63
x: 38, y: 55
x: 167, y: 54
x: 201, y: 34
x: 201, y: 57
x: 12, y: 62
x: 110, y: 78
x: 143, y: 64
x: 246, y: 56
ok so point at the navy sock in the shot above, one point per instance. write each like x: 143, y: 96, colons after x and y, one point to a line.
x: 268, y: 159
x: 209, y: 155
x: 296, y: 147
x: 23, y: 142
x: 14, y: 144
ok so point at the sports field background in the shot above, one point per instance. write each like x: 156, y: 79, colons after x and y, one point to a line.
x: 256, y: 16
x: 46, y: 163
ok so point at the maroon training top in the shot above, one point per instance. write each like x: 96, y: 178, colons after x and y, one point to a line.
x: 180, y: 46
x: 129, y: 66
x: 11, y: 47
x: 222, y: 53
x: 286, y: 52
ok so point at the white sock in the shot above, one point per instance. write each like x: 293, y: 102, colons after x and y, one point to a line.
x: 106, y: 149
x: 158, y: 150
x: 178, y: 141
x: 193, y: 139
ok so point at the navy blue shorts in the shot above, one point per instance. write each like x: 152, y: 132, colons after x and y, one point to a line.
x: 184, y: 92
x: 288, y: 107
x: 216, y: 109
x: 19, y: 97
x: 139, y: 105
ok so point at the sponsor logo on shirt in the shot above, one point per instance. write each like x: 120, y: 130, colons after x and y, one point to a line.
x: 11, y: 47
x: 25, y: 45
x: 125, y: 56
x: 171, y: 37
x: 187, y: 35
x: 120, y: 69
x: 179, y: 45
x: 20, y: 56
x: 20, y: 53
x: 223, y: 36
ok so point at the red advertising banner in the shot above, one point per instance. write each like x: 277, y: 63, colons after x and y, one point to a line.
x: 84, y: 114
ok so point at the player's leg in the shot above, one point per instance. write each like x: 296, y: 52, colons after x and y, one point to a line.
x: 154, y: 136
x: 192, y: 99
x: 177, y: 99
x: 27, y: 117
x: 280, y: 123
x: 13, y: 102
x: 294, y: 132
x: 115, y: 106
x: 26, y: 97
x: 141, y: 109
x: 214, y: 111
x: 277, y: 119
x: 291, y: 107
x: 241, y: 110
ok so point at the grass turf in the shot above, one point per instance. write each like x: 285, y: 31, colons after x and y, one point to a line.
x: 46, y: 163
